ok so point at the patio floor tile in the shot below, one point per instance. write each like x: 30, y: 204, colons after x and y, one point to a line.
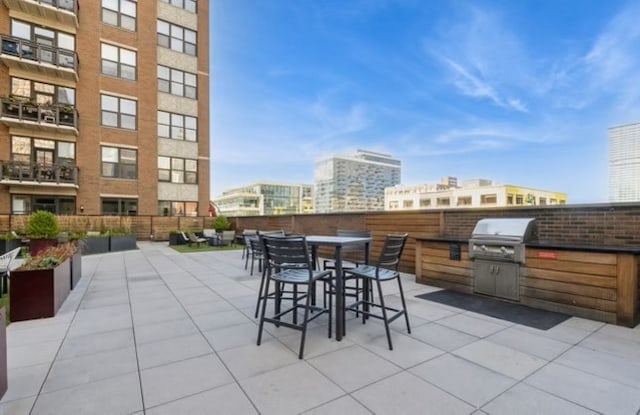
x: 290, y: 390
x: 405, y: 393
x: 523, y: 399
x: 116, y: 395
x: 502, y: 359
x: 442, y: 337
x: 472, y: 383
x: 344, y: 405
x: 227, y: 399
x: 251, y: 360
x: 167, y: 383
x: 172, y: 350
x: 95, y: 343
x: 353, y: 367
x: 591, y: 391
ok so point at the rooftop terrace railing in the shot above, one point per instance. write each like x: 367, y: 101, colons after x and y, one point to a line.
x: 15, y: 171
x: 60, y: 115
x: 33, y: 51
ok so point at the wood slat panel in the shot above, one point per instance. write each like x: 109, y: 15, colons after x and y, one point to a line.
x: 570, y: 299
x: 448, y: 285
x: 426, y: 267
x: 575, y: 256
x: 585, y: 279
x: 598, y: 315
x: 447, y: 261
x: 577, y: 267
x: 583, y: 290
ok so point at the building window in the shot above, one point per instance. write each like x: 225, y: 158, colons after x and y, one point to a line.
x: 543, y: 200
x: 519, y: 199
x: 464, y: 201
x: 118, y: 112
x: 177, y: 38
x: 394, y: 204
x: 443, y: 201
x: 177, y: 170
x: 44, y: 36
x: 188, y: 5
x: 491, y: 199
x: 425, y: 202
x: 120, y: 13
x: 120, y: 163
x: 120, y: 207
x: 509, y: 199
x: 42, y: 93
x: 45, y: 152
x: 171, y: 208
x: 407, y: 204
x: 27, y: 204
x: 176, y: 82
x: 118, y: 62
x: 177, y: 126
x: 553, y: 201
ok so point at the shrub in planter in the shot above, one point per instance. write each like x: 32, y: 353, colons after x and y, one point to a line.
x: 221, y: 223
x: 42, y: 231
x: 39, y: 286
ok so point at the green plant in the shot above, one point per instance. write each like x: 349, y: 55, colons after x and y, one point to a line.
x: 8, y: 236
x: 221, y: 223
x: 42, y: 225
x: 49, y: 257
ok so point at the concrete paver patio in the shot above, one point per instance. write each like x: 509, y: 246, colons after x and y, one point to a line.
x: 153, y: 331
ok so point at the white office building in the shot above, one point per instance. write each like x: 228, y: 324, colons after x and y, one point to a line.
x: 351, y: 183
x: 624, y: 163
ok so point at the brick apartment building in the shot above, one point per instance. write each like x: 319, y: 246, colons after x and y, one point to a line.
x: 104, y: 107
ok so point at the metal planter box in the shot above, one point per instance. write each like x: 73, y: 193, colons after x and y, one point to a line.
x: 122, y: 243
x: 39, y: 293
x: 95, y: 245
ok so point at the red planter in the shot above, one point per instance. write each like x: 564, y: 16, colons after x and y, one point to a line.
x: 37, y: 245
x: 39, y: 293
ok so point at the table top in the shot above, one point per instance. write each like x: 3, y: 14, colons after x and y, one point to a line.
x: 336, y: 240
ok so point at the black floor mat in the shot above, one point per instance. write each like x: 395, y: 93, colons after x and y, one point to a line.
x: 516, y: 313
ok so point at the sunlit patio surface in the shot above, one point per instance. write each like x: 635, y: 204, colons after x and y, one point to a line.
x: 157, y: 332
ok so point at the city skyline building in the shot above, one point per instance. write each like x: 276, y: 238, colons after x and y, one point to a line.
x: 624, y: 163
x: 125, y: 132
x: 356, y: 182
x: 266, y: 198
x: 472, y: 194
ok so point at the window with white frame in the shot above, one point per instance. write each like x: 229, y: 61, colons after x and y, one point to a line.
x: 118, y: 112
x: 177, y: 126
x: 118, y: 62
x: 174, y: 208
x: 119, y: 163
x: 188, y: 5
x: 177, y: 170
x: 120, y: 13
x: 177, y: 38
x: 176, y: 82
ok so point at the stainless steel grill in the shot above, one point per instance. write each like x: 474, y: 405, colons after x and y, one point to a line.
x: 498, y: 248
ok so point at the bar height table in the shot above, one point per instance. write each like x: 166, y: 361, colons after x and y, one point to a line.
x: 338, y: 242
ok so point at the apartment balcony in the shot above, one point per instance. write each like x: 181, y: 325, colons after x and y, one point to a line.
x: 59, y: 175
x: 58, y: 119
x: 62, y: 11
x: 42, y: 59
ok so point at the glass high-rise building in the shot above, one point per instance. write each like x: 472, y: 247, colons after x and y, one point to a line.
x: 354, y: 182
x: 624, y: 163
x: 259, y: 199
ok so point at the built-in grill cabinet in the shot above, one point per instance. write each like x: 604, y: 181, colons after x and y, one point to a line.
x: 497, y: 247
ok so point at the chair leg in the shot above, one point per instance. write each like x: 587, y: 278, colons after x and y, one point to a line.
x: 404, y: 306
x: 384, y: 315
x: 295, y: 304
x: 264, y: 309
x: 252, y: 261
x: 330, y: 312
x: 262, y: 296
x: 304, y: 323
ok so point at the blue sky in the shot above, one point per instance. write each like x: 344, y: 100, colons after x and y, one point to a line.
x: 520, y: 92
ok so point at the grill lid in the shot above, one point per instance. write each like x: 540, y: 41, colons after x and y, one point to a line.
x: 512, y: 229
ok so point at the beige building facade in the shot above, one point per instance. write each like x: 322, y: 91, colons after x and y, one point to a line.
x: 472, y: 194
x: 105, y: 107
x: 258, y: 199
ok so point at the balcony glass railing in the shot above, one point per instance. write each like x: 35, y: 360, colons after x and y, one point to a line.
x: 57, y: 115
x: 69, y: 5
x: 26, y: 49
x: 39, y: 173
